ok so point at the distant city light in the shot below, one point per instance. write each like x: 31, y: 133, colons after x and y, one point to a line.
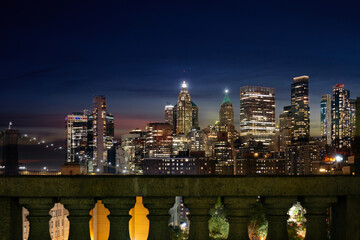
x: 338, y: 158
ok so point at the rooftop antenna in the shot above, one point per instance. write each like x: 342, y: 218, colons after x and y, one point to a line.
x: 10, y: 124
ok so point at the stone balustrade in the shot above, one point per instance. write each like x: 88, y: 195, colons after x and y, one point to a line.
x: 79, y: 194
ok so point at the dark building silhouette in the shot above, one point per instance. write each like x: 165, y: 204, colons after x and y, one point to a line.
x: 10, y: 152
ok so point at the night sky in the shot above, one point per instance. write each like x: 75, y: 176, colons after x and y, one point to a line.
x: 56, y: 55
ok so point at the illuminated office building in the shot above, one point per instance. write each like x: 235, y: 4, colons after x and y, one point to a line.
x: 195, y: 140
x: 285, y: 119
x: 257, y: 114
x: 300, y: 158
x: 179, y: 144
x: 159, y: 140
x: 341, y: 117
x: 353, y: 117
x: 325, y: 118
x: 222, y: 153
x: 169, y: 114
x: 103, y: 133
x: 226, y: 113
x: 76, y: 138
x: 128, y: 154
x: 300, y: 129
x: 195, y: 116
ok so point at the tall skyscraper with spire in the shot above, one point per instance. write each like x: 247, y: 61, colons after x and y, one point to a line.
x: 226, y: 113
x: 184, y: 111
x: 300, y: 109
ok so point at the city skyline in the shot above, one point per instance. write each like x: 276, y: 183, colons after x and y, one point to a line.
x: 127, y: 124
x: 195, y: 120
x: 56, y: 61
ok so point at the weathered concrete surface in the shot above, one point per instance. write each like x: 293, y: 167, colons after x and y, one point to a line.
x: 121, y: 186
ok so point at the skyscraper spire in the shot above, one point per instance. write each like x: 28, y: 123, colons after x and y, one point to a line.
x: 184, y: 111
x: 184, y: 85
x: 226, y: 112
x: 226, y: 97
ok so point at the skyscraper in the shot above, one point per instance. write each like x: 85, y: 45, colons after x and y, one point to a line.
x: 159, y: 140
x: 195, y: 116
x: 356, y: 143
x: 76, y: 138
x: 226, y: 112
x: 353, y: 117
x: 169, y: 114
x: 341, y: 117
x: 285, y: 129
x: 184, y: 111
x: 257, y: 114
x: 103, y: 133
x: 325, y: 118
x: 300, y: 109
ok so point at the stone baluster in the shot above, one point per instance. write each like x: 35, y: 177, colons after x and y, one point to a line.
x: 39, y: 216
x: 238, y: 215
x: 159, y: 216
x: 199, y: 216
x: 79, y: 216
x: 316, y: 215
x: 276, y: 214
x: 351, y: 218
x: 10, y: 219
x: 119, y: 216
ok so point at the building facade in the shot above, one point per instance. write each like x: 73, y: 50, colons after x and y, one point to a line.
x: 182, y: 164
x: 169, y: 114
x: 257, y: 114
x: 184, y: 111
x: 300, y: 109
x: 300, y: 158
x: 285, y: 120
x: 325, y: 118
x: 341, y: 117
x: 159, y: 140
x: 76, y: 136
x: 103, y: 133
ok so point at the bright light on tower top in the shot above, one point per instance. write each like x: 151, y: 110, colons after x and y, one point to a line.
x: 184, y: 85
x: 226, y: 90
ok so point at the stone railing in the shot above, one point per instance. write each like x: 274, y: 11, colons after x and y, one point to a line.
x: 79, y: 194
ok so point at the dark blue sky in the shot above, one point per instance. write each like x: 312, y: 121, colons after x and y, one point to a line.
x: 56, y: 55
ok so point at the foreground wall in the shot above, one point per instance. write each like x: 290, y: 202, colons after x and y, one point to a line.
x: 118, y: 193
